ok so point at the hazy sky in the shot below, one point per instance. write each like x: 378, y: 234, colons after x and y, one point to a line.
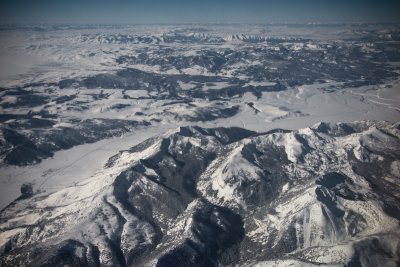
x: 204, y: 11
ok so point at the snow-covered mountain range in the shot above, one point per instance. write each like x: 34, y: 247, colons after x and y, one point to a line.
x: 200, y: 145
x: 327, y: 194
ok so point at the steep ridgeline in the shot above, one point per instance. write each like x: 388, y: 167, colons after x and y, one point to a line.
x: 328, y: 194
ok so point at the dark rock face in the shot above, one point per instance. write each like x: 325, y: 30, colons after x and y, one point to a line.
x: 223, y: 197
x: 218, y: 228
x: 26, y: 190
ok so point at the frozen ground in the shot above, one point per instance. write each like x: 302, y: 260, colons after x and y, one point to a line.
x: 309, y: 104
